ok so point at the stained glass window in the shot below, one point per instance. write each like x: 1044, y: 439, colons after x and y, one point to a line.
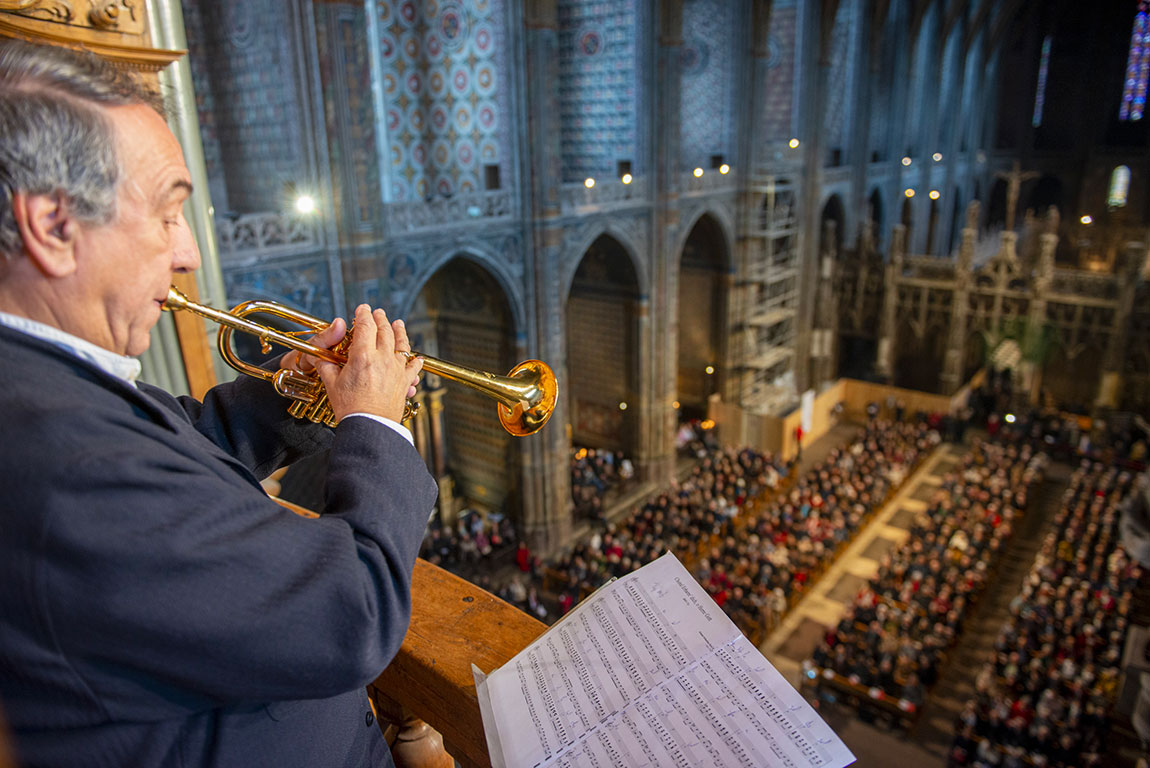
x: 1040, y: 92
x: 1119, y: 186
x: 1137, y: 66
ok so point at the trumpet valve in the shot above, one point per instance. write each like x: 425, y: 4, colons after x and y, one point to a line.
x: 296, y: 385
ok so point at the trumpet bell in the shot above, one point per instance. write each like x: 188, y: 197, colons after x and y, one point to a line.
x: 528, y: 416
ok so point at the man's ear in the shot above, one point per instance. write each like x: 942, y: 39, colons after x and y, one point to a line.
x: 48, y: 228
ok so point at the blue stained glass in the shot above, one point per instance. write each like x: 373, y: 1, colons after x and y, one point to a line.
x: 1040, y: 93
x: 1137, y: 66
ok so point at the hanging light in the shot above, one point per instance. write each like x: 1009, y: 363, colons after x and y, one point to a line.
x: 305, y: 204
x: 589, y: 182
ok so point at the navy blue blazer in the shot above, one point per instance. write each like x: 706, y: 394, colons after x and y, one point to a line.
x: 157, y: 608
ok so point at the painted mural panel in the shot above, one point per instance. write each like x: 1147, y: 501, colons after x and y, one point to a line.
x: 598, y: 86
x: 251, y: 114
x: 782, y: 51
x: 444, y: 83
x: 707, y: 66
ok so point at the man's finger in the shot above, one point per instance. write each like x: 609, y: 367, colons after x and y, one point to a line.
x: 363, y: 332
x: 331, y: 335
x: 402, y: 342
x: 384, y: 338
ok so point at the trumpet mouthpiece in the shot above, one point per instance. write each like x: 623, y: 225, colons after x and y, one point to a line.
x: 176, y: 300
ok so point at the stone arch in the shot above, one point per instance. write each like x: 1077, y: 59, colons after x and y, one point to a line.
x: 722, y: 217
x: 703, y: 271
x: 833, y: 210
x: 604, y: 349
x: 974, y: 354
x: 956, y: 220
x: 920, y: 358
x: 506, y: 274
x: 932, y: 226
x: 573, y: 257
x: 906, y: 218
x: 876, y: 212
x: 462, y: 314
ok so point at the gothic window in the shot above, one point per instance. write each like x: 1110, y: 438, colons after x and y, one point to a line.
x: 1137, y: 66
x: 1119, y: 186
x: 1040, y: 92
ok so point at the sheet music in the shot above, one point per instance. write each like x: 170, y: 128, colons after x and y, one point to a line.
x: 649, y: 671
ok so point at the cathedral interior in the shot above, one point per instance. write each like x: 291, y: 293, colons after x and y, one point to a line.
x: 878, y: 254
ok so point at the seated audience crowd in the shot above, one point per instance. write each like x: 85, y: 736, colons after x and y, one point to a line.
x: 475, y: 538
x: 1043, y: 697
x: 677, y: 519
x: 696, y: 438
x: 897, y: 631
x: 783, y: 545
x: 593, y: 473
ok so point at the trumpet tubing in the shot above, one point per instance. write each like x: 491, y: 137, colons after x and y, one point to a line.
x: 525, y: 396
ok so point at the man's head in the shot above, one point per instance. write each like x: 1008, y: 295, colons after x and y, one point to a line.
x: 92, y: 186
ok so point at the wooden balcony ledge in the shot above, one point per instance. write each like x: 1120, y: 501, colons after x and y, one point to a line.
x: 454, y: 624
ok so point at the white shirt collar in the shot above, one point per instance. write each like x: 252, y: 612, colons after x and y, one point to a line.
x: 120, y: 366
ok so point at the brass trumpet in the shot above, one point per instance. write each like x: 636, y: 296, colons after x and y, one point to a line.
x: 525, y: 396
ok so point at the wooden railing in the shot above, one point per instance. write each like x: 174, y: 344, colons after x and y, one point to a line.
x: 454, y: 624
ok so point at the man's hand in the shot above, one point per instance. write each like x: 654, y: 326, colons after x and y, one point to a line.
x: 325, y: 339
x: 377, y: 378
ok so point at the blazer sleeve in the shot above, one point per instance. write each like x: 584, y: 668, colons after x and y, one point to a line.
x: 173, y: 583
x: 250, y: 422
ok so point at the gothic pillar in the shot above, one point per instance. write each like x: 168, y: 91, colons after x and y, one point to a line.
x: 663, y: 326
x: 884, y: 364
x: 546, y: 524
x: 817, y: 34
x: 826, y: 312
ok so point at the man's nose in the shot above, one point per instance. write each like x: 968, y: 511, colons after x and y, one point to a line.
x: 185, y: 252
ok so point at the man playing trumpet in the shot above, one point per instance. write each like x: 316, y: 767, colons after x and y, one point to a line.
x: 158, y: 608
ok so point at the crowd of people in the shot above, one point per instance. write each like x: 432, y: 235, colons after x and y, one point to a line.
x: 594, y: 472
x: 779, y: 550
x: 1043, y: 697
x: 896, y: 632
x: 676, y: 519
x: 1122, y: 439
x: 474, y: 538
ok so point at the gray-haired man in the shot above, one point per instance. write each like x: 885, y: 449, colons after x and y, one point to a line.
x: 158, y: 608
